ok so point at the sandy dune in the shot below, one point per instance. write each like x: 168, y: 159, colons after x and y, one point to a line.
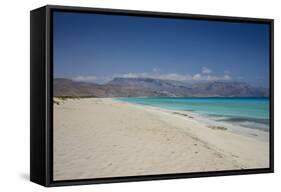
x: 96, y: 138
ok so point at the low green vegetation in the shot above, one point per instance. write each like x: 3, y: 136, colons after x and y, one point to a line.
x: 56, y: 102
x: 60, y: 99
x: 64, y: 98
x: 217, y: 127
x: 183, y: 114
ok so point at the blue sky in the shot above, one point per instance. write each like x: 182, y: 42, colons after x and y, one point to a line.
x: 97, y: 48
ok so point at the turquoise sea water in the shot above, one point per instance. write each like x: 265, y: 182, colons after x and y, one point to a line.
x: 247, y: 112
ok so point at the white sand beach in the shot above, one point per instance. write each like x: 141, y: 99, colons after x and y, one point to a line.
x: 102, y: 137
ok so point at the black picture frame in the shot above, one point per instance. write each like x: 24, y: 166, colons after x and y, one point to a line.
x: 41, y: 103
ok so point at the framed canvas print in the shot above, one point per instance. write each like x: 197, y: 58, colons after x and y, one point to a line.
x: 119, y: 95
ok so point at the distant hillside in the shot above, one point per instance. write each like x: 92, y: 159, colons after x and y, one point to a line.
x: 67, y: 87
x: 147, y: 87
x: 163, y: 87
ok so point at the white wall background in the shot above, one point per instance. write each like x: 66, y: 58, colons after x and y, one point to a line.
x: 14, y: 96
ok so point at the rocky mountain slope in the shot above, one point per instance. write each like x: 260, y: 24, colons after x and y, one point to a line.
x: 147, y: 87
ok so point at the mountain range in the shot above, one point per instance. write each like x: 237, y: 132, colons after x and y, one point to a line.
x: 148, y: 87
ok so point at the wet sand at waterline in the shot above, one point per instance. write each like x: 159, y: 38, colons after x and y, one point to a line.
x: 103, y: 137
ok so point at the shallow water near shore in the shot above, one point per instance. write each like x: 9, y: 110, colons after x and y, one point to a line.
x: 248, y: 112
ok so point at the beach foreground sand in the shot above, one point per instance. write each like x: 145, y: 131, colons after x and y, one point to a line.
x: 101, y: 137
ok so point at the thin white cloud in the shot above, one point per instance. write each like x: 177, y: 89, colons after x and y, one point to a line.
x: 226, y: 72
x: 168, y: 76
x: 205, y: 75
x: 178, y: 77
x: 227, y: 77
x: 85, y: 78
x: 197, y: 77
x: 156, y: 70
x: 175, y: 76
x: 206, y: 70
